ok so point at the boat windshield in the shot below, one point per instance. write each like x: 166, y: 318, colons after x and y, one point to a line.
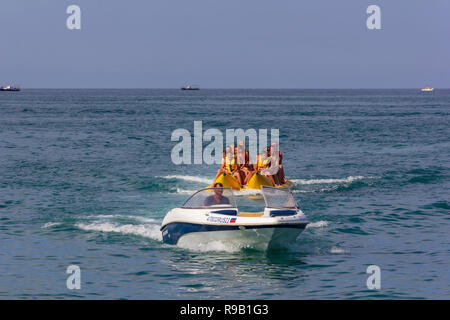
x: 211, y: 198
x: 278, y: 197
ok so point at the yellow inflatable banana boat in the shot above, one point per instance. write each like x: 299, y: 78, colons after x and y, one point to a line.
x: 256, y: 181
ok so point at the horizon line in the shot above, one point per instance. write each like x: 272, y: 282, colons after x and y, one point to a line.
x: 207, y: 88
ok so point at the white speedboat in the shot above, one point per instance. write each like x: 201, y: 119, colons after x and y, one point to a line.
x: 427, y: 89
x: 211, y: 214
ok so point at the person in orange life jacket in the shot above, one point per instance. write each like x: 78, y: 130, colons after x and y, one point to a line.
x: 245, y: 167
x: 276, y: 164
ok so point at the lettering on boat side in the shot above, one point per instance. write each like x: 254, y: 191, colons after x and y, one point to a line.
x: 221, y: 220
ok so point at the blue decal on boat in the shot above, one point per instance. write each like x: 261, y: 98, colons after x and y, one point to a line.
x: 227, y: 212
x: 277, y: 213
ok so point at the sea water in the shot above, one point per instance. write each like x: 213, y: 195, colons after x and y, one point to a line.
x: 86, y: 178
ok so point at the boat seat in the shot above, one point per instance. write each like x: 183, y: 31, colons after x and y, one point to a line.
x: 250, y: 214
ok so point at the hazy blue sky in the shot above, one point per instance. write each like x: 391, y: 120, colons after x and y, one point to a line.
x: 225, y: 44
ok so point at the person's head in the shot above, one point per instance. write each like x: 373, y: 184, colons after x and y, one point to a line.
x: 266, y: 152
x: 229, y: 151
x: 274, y: 147
x: 218, y: 191
x: 241, y: 155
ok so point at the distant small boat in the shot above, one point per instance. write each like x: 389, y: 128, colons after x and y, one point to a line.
x: 9, y: 88
x: 427, y: 89
x: 189, y: 87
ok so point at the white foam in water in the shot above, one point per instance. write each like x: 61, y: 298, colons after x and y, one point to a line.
x: 186, y: 191
x: 211, y: 246
x: 50, y: 224
x: 113, y: 216
x: 144, y: 219
x: 249, y: 192
x: 318, y: 224
x: 302, y: 191
x: 328, y: 181
x: 145, y: 230
x: 337, y: 250
x: 207, y: 181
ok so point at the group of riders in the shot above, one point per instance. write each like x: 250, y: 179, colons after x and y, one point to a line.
x: 236, y: 162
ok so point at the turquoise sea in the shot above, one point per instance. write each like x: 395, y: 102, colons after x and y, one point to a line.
x: 86, y: 178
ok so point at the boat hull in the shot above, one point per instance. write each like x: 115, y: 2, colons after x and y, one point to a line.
x: 260, y: 237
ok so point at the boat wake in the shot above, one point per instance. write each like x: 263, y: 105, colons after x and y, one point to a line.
x: 318, y: 224
x: 204, y: 180
x: 328, y: 181
x: 182, y: 184
x: 149, y: 228
x: 212, y: 246
x: 123, y: 224
x: 144, y: 230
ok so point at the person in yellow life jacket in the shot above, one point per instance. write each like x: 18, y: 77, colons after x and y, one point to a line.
x: 263, y: 164
x: 263, y: 160
x: 229, y: 164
